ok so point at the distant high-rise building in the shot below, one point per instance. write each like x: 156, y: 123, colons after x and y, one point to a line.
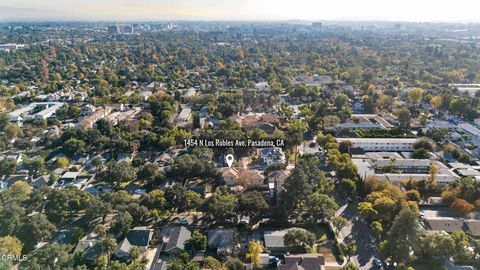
x: 113, y: 29
x: 127, y: 29
x: 316, y: 24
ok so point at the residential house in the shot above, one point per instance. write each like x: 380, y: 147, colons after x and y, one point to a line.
x: 310, y: 261
x: 272, y: 155
x: 62, y: 237
x: 251, y: 178
x: 472, y: 227
x: 274, y: 241
x: 446, y: 224
x: 91, y: 246
x: 262, y: 87
x: 80, y: 159
x: 18, y: 157
x: 87, y: 110
x: 163, y: 160
x: 137, y: 237
x: 40, y: 181
x: 276, y: 179
x: 470, y: 130
x: 176, y: 240
x: 229, y: 176
x: 68, y: 177
x: 184, y: 115
x: 225, y: 241
x: 265, y: 122
x: 451, y: 224
x: 12, y: 178
x: 202, y: 115
x: 89, y: 121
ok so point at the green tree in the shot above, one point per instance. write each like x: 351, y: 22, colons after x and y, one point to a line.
x: 134, y: 254
x: 7, y: 166
x: 19, y: 191
x: 233, y: 263
x: 198, y: 241
x: 109, y: 244
x: 97, y: 208
x: 402, y: 237
x: 121, y: 223
x: 377, y: 229
x: 148, y: 172
x: 64, y: 202
x: 299, y: 238
x: 52, y: 256
x: 295, y: 189
x: 321, y: 206
x: 415, y: 96
x: 35, y: 229
x: 294, y: 133
x: 35, y: 167
x: 350, y: 266
x: 13, y: 131
x: 73, y: 147
x: 338, y: 223
x: 461, y: 244
x: 436, y: 102
x: 119, y: 172
x: 212, y: 263
x: 193, y: 200
x: 341, y: 100
x: 349, y: 249
x: 403, y: 115
x: 252, y: 203
x: 183, y: 263
x: 221, y: 206
x: 190, y: 167
x: 154, y: 199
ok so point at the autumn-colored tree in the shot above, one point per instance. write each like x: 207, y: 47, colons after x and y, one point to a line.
x: 462, y: 207
x: 432, y: 171
x: 10, y: 245
x: 477, y: 205
x: 435, y: 102
x: 255, y: 248
x: 62, y: 162
x: 377, y: 229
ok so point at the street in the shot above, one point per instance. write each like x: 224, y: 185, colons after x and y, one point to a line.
x: 356, y: 230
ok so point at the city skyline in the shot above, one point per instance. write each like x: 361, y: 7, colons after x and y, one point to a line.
x: 143, y: 10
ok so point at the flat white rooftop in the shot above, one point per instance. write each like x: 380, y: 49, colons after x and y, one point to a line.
x: 378, y: 140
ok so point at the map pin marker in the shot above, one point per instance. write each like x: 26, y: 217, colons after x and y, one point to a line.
x: 229, y: 158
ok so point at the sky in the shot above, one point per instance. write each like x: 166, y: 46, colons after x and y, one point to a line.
x: 310, y: 10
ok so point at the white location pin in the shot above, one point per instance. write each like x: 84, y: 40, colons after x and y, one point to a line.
x: 229, y: 158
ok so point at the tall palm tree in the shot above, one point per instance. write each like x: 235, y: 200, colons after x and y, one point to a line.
x: 108, y: 245
x: 134, y: 254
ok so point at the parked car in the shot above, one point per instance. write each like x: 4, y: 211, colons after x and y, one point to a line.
x: 183, y: 222
x: 377, y: 262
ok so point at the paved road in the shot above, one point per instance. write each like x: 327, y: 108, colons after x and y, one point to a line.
x: 358, y: 231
